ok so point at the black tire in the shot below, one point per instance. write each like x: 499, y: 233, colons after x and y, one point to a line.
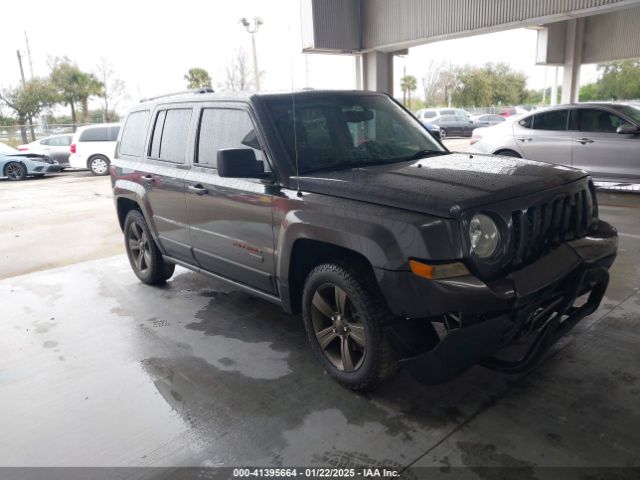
x: 99, y: 165
x: 15, y: 171
x: 143, y: 253
x: 509, y: 153
x: 38, y: 175
x: 443, y: 133
x: 371, y: 360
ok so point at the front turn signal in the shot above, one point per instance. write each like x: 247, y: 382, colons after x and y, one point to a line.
x: 439, y: 271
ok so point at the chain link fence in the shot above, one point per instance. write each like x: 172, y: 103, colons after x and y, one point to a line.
x: 14, y: 135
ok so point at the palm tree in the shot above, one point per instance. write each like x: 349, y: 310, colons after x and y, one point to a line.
x: 408, y: 84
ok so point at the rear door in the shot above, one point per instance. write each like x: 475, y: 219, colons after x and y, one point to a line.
x: 545, y: 137
x: 599, y: 150
x: 230, y: 218
x: 162, y: 175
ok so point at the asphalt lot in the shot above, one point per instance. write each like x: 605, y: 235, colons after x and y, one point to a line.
x: 97, y: 369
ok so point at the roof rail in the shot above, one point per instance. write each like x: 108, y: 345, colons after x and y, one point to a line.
x: 183, y: 92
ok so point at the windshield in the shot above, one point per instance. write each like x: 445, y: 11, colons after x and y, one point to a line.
x: 7, y: 150
x: 338, y: 131
x: 631, y: 111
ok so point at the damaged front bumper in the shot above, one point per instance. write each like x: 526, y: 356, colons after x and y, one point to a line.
x: 538, y: 302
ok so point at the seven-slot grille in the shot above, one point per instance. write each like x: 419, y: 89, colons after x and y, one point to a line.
x: 537, y: 229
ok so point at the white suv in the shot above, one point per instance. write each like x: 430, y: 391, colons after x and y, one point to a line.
x: 93, y: 147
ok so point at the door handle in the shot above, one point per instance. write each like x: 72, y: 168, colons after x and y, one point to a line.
x: 584, y: 141
x: 525, y: 139
x: 197, y: 189
x: 148, y: 179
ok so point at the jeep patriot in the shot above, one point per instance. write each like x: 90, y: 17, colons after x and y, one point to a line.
x: 343, y: 207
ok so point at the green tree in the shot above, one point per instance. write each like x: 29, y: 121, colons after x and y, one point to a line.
x: 408, y: 85
x: 28, y: 100
x: 491, y: 84
x: 198, y: 78
x: 619, y: 80
x: 74, y: 86
x: 589, y: 92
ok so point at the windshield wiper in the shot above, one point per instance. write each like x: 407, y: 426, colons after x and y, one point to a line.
x: 425, y: 153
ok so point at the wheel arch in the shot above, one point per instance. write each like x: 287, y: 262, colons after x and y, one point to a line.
x: 305, y: 255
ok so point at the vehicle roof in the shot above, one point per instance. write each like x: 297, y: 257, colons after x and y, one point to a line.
x: 195, y: 96
x: 97, y: 125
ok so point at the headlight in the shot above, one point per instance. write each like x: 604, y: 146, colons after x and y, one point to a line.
x: 484, y: 235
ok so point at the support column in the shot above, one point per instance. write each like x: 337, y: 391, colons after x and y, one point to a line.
x: 377, y: 72
x: 573, y: 47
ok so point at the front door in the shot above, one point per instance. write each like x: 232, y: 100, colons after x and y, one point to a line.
x: 602, y: 152
x: 230, y: 219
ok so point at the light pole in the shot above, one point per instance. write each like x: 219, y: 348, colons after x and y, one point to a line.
x: 253, y: 29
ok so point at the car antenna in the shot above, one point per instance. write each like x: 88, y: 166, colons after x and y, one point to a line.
x: 293, y: 113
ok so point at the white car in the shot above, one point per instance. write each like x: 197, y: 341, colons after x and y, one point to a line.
x: 56, y: 147
x: 93, y: 147
x: 428, y: 114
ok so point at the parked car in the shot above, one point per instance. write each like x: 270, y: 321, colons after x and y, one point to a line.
x: 427, y: 114
x: 454, y: 125
x: 55, y: 147
x: 433, y: 129
x: 486, y: 120
x: 601, y: 138
x: 93, y: 146
x: 16, y: 165
x: 341, y: 206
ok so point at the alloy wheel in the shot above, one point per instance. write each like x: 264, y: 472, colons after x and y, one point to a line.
x: 14, y: 171
x: 338, y: 328
x: 138, y: 245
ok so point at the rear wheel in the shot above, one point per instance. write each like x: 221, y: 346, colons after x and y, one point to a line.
x: 99, y: 165
x: 143, y: 253
x: 15, y: 171
x: 344, y: 316
x: 443, y: 133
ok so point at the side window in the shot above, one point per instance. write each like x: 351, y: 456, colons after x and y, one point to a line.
x: 175, y: 135
x: 95, y: 134
x: 430, y: 114
x: 594, y: 120
x: 526, y: 122
x: 554, y: 120
x: 134, y: 133
x: 112, y: 135
x: 225, y: 128
x: 154, y: 151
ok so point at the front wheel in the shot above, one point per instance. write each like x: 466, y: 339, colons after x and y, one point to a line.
x: 344, y: 316
x: 99, y: 165
x: 15, y: 171
x: 443, y: 133
x: 143, y: 253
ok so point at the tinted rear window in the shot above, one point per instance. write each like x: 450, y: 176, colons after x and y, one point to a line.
x: 99, y: 134
x: 133, y: 135
x: 171, y: 135
x: 447, y: 112
x: 555, y: 120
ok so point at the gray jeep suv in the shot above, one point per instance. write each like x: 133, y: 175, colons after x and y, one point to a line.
x: 342, y: 206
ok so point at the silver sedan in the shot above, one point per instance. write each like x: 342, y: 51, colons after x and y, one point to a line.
x: 601, y: 138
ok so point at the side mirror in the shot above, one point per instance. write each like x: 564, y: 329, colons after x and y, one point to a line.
x: 627, y: 129
x: 239, y: 163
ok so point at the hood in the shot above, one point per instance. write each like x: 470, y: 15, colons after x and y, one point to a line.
x: 443, y: 185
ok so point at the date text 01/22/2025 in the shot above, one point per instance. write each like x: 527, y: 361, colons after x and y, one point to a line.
x: 315, y: 472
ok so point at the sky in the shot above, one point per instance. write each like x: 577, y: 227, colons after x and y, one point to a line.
x: 151, y: 45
